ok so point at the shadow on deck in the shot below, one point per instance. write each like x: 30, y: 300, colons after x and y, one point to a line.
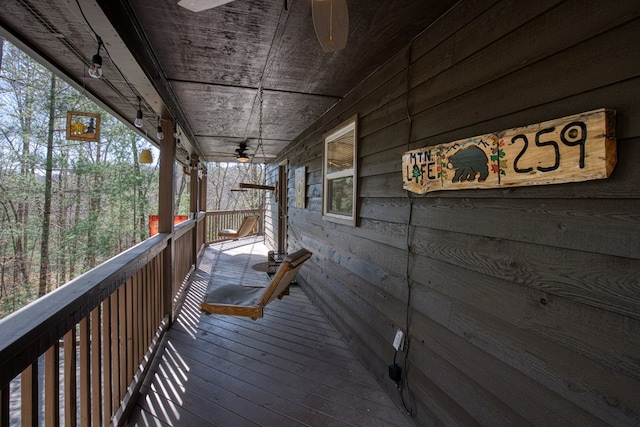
x: 289, y: 368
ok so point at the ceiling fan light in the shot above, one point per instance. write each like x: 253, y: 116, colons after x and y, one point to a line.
x: 331, y: 23
x: 242, y: 158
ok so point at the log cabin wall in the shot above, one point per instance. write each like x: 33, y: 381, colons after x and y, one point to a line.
x: 524, y: 302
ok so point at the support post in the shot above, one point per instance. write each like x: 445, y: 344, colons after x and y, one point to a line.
x: 203, y: 203
x: 203, y: 190
x: 166, y: 198
x: 194, y: 199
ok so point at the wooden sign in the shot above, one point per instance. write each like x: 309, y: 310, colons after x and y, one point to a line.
x: 83, y: 126
x: 575, y: 148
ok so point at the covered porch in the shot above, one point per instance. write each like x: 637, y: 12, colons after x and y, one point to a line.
x: 519, y: 304
x: 290, y: 367
x: 123, y: 345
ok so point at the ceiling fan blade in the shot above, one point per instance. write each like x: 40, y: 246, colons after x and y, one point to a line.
x: 200, y: 5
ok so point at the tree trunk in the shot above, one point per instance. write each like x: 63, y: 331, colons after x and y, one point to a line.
x: 44, y: 281
x: 94, y: 212
x: 138, y: 203
x: 1, y: 48
x: 181, y: 187
x: 73, y: 247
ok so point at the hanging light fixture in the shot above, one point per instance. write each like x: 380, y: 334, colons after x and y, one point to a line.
x: 331, y: 23
x: 241, y: 156
x: 138, y: 122
x: 159, y: 133
x: 145, y: 156
x: 95, y: 69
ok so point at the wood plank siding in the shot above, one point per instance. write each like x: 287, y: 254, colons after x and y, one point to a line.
x: 522, y: 305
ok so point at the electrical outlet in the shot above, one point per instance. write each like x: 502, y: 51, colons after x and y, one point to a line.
x: 398, y: 341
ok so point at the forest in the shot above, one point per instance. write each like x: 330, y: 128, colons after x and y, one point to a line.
x: 65, y: 205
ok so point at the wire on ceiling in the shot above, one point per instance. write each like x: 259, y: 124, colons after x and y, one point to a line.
x: 98, y: 39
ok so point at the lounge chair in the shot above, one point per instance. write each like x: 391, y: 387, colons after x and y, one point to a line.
x: 247, y: 300
x: 247, y: 226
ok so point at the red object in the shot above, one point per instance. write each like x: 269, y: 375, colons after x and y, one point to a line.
x: 153, y: 222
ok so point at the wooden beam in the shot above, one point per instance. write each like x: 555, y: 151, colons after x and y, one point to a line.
x: 256, y: 186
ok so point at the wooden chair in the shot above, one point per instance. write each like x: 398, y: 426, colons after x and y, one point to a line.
x: 246, y: 300
x: 247, y: 226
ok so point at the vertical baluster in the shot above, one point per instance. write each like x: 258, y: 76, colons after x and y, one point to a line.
x: 4, y: 407
x: 122, y: 348
x: 106, y: 361
x: 139, y: 316
x: 145, y: 306
x: 52, y: 386
x: 29, y: 395
x: 134, y: 323
x: 70, y: 399
x: 115, y: 352
x: 154, y: 293
x: 96, y: 368
x: 85, y: 376
x: 129, y: 332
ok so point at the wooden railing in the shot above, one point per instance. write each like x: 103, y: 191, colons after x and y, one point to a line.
x: 219, y: 220
x: 89, y: 343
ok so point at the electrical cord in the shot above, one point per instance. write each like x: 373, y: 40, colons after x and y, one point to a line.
x: 99, y: 40
x: 410, y: 408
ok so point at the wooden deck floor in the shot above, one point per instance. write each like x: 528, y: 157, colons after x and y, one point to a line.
x: 289, y: 368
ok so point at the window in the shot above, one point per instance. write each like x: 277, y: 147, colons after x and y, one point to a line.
x: 340, y: 173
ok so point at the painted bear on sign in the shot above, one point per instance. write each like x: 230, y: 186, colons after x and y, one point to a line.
x: 469, y: 162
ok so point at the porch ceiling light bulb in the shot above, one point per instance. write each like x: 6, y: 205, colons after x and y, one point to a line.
x: 242, y: 158
x: 95, y: 69
x: 331, y: 23
x: 138, y: 122
x: 159, y: 133
x: 145, y: 156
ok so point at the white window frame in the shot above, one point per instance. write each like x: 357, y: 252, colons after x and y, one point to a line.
x: 350, y: 125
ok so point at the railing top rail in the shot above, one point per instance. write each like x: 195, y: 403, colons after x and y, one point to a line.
x: 183, y: 227
x: 27, y: 333
x: 235, y: 211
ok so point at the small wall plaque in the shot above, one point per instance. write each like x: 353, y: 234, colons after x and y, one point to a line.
x: 300, y: 186
x: 83, y: 126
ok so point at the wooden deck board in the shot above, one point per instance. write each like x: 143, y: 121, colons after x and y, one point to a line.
x: 289, y: 368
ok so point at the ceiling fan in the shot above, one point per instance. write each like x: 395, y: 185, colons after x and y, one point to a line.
x: 243, y: 154
x: 200, y: 5
x: 330, y: 19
